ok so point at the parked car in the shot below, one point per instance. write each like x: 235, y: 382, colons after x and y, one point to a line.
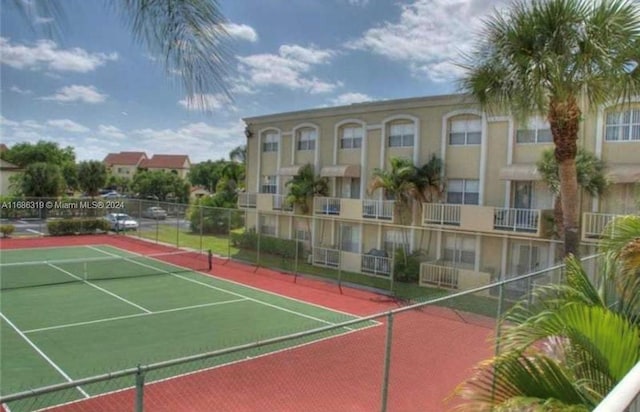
x: 121, y: 221
x: 111, y: 195
x: 154, y: 212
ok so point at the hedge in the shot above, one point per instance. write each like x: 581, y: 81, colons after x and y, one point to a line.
x: 268, y: 244
x: 77, y: 226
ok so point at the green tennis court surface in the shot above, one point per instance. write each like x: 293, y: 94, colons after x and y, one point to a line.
x: 64, y: 319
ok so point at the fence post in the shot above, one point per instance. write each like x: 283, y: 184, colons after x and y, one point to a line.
x: 258, y: 231
x: 387, y: 363
x: 139, y: 390
x: 229, y: 233
x: 201, y: 225
x: 177, y: 228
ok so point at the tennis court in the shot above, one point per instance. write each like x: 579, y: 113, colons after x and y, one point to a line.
x: 78, y: 311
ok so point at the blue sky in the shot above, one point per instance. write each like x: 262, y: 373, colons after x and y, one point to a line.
x: 95, y: 89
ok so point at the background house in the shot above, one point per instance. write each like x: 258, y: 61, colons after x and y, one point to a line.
x: 7, y: 170
x: 124, y: 164
x: 179, y: 164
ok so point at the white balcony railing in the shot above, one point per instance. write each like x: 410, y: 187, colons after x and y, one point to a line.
x: 593, y: 224
x: 376, y: 265
x: 441, y: 214
x: 437, y: 275
x: 326, y: 205
x: 326, y: 257
x: 625, y: 396
x: 247, y: 200
x: 278, y: 202
x: 516, y: 220
x: 377, y: 209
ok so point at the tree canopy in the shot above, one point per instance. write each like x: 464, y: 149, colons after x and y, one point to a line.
x: 162, y: 185
x: 92, y: 176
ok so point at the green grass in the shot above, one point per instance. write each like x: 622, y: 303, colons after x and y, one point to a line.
x: 219, y: 244
x: 113, y: 324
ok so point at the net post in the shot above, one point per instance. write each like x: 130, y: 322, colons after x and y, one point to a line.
x: 387, y: 363
x: 139, y: 390
x: 210, y: 261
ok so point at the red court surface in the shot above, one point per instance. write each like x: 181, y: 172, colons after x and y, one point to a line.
x: 433, y: 350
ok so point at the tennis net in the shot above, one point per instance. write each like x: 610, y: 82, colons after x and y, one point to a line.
x: 52, y: 272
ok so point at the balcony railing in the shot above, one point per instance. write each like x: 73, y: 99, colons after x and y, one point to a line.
x: 438, y: 275
x: 326, y: 257
x: 376, y: 265
x: 516, y: 220
x: 593, y: 224
x: 278, y: 202
x: 326, y: 205
x: 625, y: 396
x: 377, y: 209
x: 247, y: 200
x: 441, y: 214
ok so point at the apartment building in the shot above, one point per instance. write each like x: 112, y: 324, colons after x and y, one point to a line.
x: 124, y: 164
x: 493, y: 219
x: 178, y: 164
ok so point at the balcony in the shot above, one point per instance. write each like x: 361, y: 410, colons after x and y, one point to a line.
x: 378, y: 209
x: 527, y: 222
x: 278, y: 202
x: 247, y: 200
x: 516, y: 220
x: 593, y: 224
x: 446, y: 275
x: 326, y: 257
x: 326, y: 206
x: 441, y: 214
x: 376, y: 262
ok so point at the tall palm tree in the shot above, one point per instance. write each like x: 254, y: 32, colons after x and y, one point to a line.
x: 543, y: 57
x: 303, y: 187
x: 428, y: 180
x: 188, y: 35
x: 568, y: 349
x: 397, y: 183
x: 590, y: 173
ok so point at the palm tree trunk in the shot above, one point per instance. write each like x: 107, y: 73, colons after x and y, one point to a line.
x: 564, y: 119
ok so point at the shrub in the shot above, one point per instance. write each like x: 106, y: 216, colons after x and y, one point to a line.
x: 407, y: 269
x: 7, y: 230
x: 285, y: 248
x: 76, y: 226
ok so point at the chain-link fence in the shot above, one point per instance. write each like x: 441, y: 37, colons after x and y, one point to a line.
x: 407, y: 359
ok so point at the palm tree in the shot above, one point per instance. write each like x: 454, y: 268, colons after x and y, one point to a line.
x: 303, y: 187
x: 189, y: 35
x: 543, y: 57
x: 398, y: 183
x: 590, y: 173
x: 239, y: 154
x: 568, y: 349
x: 428, y: 180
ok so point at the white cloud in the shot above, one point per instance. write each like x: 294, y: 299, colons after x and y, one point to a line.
x: 207, y: 102
x: 241, y: 32
x: 110, y: 132
x: 45, y: 54
x: 349, y: 98
x: 289, y: 69
x: 429, y: 35
x: 18, y: 90
x: 67, y: 125
x: 43, y: 20
x: 360, y: 3
x: 77, y: 93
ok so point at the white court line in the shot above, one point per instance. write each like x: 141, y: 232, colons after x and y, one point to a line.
x: 220, y: 289
x: 41, y: 353
x: 136, y: 315
x: 99, y: 288
x: 34, y: 231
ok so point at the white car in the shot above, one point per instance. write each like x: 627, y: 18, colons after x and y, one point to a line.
x: 154, y: 212
x: 121, y: 221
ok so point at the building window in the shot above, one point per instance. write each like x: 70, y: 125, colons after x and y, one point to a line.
x: 465, y: 131
x: 351, y: 137
x: 394, y: 240
x: 348, y: 187
x: 463, y: 191
x: 350, y: 238
x: 270, y: 142
x: 401, y: 135
x: 623, y: 126
x: 537, y: 130
x: 269, y: 185
x: 267, y: 225
x: 307, y: 139
x: 459, y: 250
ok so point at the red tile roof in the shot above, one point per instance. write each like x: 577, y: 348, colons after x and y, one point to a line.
x: 166, y: 162
x: 125, y: 158
x: 3, y: 147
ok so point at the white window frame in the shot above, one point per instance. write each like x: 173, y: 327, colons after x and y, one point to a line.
x: 270, y: 142
x: 401, y: 134
x: 267, y: 225
x: 467, y: 193
x: 351, y: 137
x: 622, y: 126
x: 269, y: 185
x: 459, y: 250
x: 535, y: 131
x: 306, y: 139
x: 470, y: 130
